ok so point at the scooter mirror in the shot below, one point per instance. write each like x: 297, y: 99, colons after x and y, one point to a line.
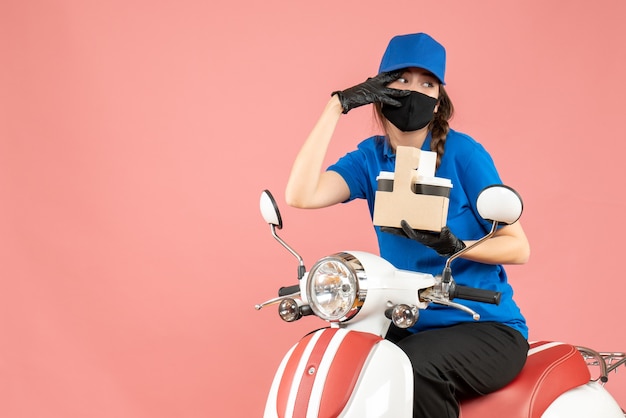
x: 500, y: 203
x: 269, y: 209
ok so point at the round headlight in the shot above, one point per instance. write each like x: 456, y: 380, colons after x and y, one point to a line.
x: 333, y: 287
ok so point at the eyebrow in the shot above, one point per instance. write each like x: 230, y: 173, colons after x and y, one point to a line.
x: 421, y: 71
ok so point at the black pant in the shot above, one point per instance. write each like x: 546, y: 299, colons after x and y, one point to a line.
x: 462, y: 361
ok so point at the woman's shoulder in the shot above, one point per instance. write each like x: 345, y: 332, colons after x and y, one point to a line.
x: 367, y: 152
x: 463, y: 153
x: 462, y: 143
x: 373, y: 143
x: 461, y: 139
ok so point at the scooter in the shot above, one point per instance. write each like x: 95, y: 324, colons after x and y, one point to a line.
x: 348, y: 369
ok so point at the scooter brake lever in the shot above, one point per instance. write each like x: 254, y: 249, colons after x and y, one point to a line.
x: 275, y: 300
x: 435, y: 299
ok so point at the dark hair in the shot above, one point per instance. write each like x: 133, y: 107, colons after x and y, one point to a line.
x: 439, y: 126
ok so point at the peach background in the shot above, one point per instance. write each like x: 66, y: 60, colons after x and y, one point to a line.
x: 136, y: 136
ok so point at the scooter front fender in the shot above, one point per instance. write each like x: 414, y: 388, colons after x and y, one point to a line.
x: 339, y: 373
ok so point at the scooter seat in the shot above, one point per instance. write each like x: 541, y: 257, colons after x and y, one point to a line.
x: 551, y: 369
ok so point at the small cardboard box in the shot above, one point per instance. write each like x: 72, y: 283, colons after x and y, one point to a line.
x: 412, y: 192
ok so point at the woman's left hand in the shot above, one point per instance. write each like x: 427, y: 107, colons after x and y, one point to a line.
x: 444, y: 242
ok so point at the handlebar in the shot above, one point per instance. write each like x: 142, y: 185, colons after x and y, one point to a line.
x: 288, y: 290
x: 477, y: 295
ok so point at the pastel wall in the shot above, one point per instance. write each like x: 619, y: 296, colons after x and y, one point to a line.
x: 136, y: 136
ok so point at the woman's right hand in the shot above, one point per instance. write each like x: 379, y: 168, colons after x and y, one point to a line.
x: 372, y: 90
x: 311, y: 187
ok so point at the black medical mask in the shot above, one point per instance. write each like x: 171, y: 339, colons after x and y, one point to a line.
x: 416, y: 111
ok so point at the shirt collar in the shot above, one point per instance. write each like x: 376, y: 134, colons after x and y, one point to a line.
x: 389, y: 153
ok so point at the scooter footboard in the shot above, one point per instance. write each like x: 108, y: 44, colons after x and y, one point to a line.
x: 338, y: 373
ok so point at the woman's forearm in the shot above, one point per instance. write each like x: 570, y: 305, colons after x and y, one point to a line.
x: 508, y: 246
x: 303, y: 189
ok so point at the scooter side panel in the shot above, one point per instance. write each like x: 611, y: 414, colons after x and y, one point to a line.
x: 587, y: 401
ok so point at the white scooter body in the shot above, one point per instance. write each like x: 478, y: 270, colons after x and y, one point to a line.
x: 588, y: 400
x: 316, y: 379
x: 350, y: 370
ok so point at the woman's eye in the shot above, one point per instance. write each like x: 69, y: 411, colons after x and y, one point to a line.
x: 428, y: 84
x: 402, y: 80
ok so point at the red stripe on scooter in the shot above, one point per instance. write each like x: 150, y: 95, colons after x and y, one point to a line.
x: 344, y: 372
x: 289, y: 373
x: 306, y: 384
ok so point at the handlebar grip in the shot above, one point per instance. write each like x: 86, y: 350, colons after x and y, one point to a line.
x: 475, y: 294
x: 288, y: 290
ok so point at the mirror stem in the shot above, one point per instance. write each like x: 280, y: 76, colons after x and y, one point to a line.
x: 301, y: 268
x: 447, y: 272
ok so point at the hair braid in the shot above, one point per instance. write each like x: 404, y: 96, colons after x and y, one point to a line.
x: 439, y: 126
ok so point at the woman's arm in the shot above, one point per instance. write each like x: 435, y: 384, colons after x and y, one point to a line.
x: 509, y: 245
x: 308, y: 186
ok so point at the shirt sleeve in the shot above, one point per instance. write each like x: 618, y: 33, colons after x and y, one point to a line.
x: 478, y: 173
x: 353, y: 168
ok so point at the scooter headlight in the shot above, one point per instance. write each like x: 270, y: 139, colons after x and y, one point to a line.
x: 334, y: 287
